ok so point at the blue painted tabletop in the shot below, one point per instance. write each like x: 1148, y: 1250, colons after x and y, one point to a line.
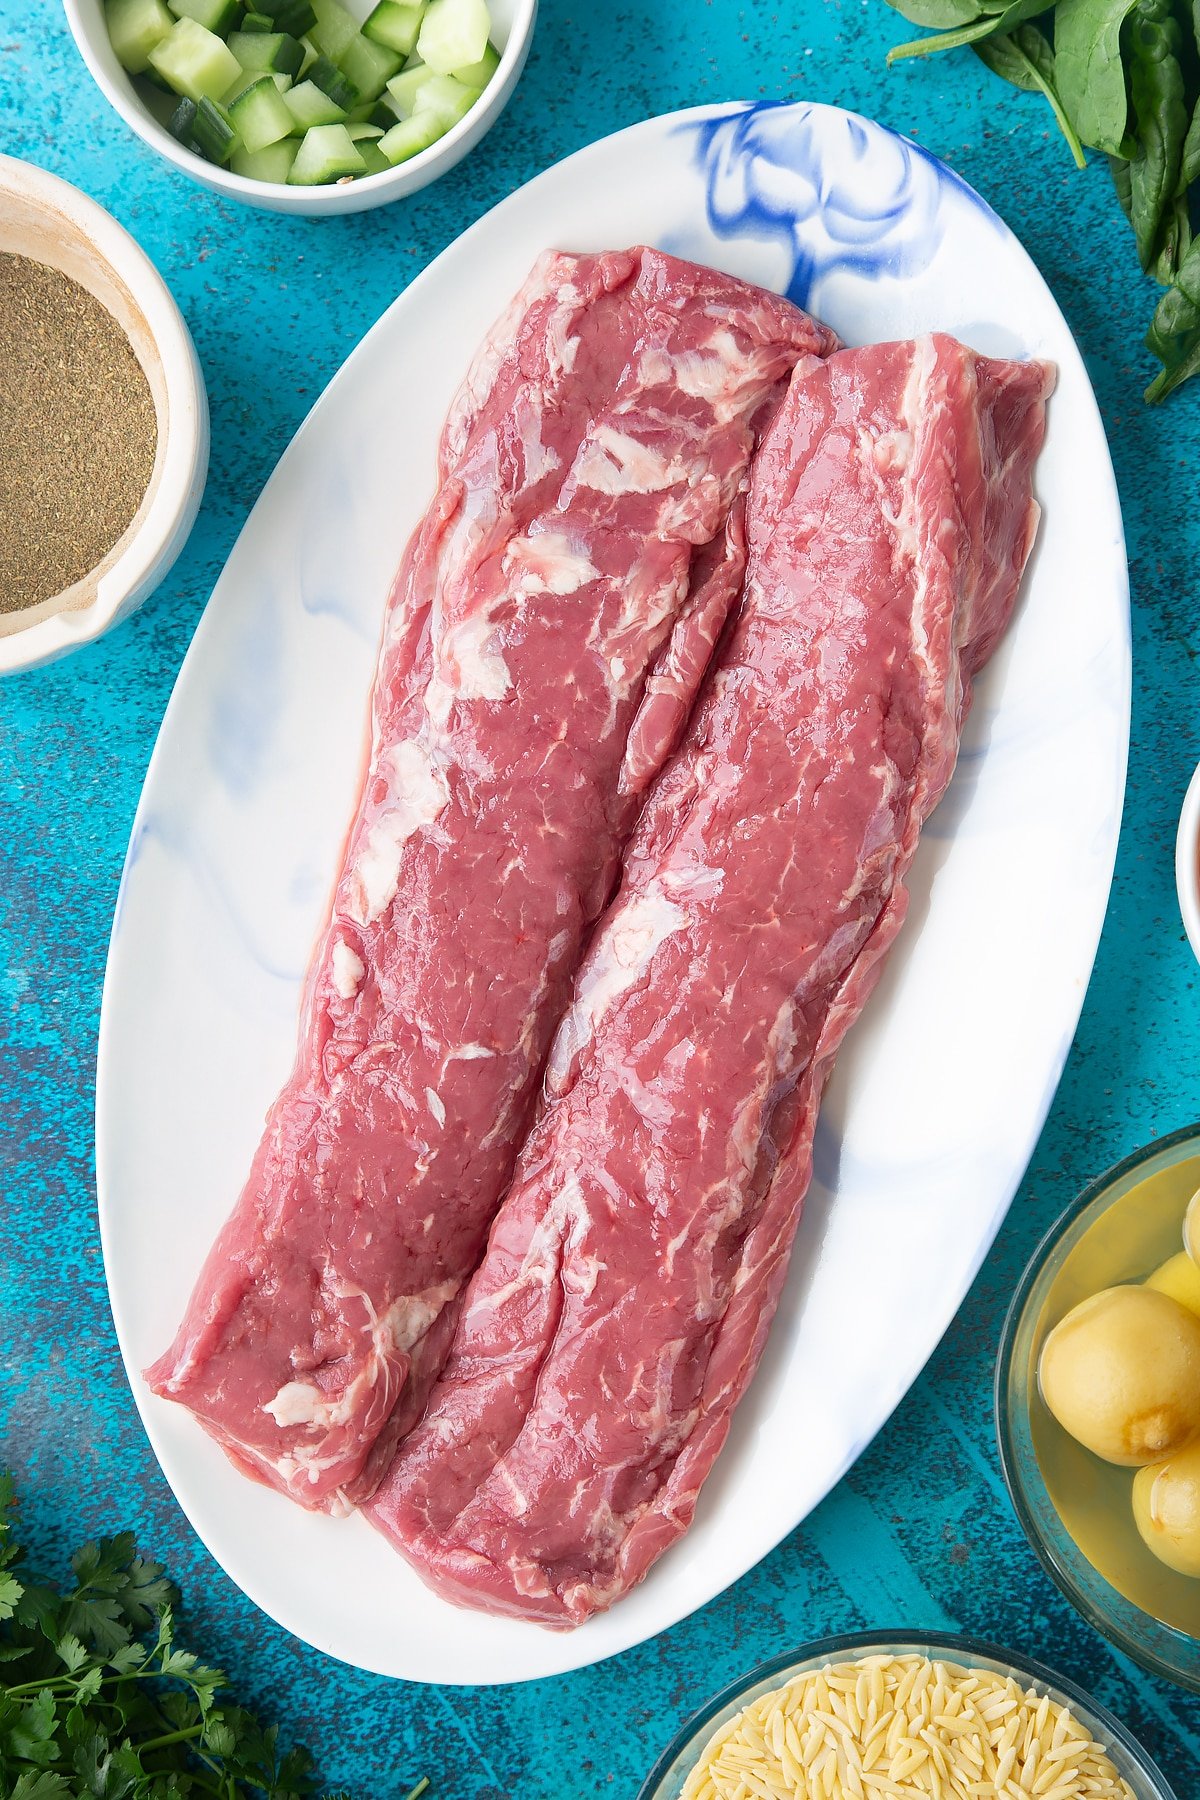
x: 920, y: 1533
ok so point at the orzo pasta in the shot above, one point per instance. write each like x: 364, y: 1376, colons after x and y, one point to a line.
x: 904, y: 1728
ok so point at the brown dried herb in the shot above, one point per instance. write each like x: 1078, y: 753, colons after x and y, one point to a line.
x: 77, y: 432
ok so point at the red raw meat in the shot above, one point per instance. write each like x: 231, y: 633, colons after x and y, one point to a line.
x: 633, y: 1270
x: 547, y: 632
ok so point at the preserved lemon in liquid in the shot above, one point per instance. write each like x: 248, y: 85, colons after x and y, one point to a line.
x: 1131, y: 1242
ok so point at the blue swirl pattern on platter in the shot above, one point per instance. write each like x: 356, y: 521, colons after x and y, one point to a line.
x: 794, y: 173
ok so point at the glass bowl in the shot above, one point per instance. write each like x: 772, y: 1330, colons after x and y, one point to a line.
x: 665, y: 1781
x: 1075, y: 1509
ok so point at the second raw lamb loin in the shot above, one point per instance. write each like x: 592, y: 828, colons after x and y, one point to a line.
x: 548, y: 629
x: 635, y: 1265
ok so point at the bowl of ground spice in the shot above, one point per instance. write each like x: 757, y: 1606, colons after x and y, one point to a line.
x: 103, y: 420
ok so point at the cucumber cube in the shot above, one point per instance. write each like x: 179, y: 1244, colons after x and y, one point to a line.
x: 271, y: 52
x: 369, y: 66
x: 477, y: 75
x: 374, y: 159
x: 183, y: 121
x: 261, y: 115
x: 329, y: 78
x: 444, y: 99
x: 214, y: 15
x: 395, y: 25
x: 327, y: 153
x: 454, y: 34
x: 409, y: 138
x: 293, y: 16
x: 255, y: 21
x: 272, y: 164
x: 333, y: 29
x: 404, y: 88
x: 135, y: 28
x: 214, y: 134
x: 310, y: 106
x: 195, y: 62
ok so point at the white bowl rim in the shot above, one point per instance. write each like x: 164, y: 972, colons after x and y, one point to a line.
x: 184, y: 445
x: 480, y: 119
x: 1187, y: 862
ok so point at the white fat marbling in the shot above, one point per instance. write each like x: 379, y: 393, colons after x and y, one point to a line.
x: 348, y: 970
x: 621, y: 956
x: 612, y: 462
x: 418, y: 793
x: 549, y: 563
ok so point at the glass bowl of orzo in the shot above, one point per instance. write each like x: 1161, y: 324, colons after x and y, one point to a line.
x: 874, y: 1714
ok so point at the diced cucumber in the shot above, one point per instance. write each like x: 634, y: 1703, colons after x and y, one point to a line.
x: 369, y: 66
x: 256, y: 21
x: 293, y: 16
x: 404, y: 88
x: 477, y: 75
x: 395, y: 24
x: 261, y: 115
x: 327, y: 153
x: 309, y: 106
x: 383, y: 115
x: 214, y: 15
x: 135, y: 28
x: 361, y: 132
x: 247, y: 78
x: 183, y: 121
x: 272, y: 164
x: 334, y: 27
x: 454, y: 34
x: 195, y: 62
x: 269, y: 52
x: 444, y: 99
x: 376, y: 162
x: 214, y: 134
x: 409, y: 138
x: 331, y: 81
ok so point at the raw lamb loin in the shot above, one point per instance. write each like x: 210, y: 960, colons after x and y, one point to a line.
x: 544, y: 640
x: 634, y: 1267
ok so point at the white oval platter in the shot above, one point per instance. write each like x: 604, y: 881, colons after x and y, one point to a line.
x: 943, y: 1087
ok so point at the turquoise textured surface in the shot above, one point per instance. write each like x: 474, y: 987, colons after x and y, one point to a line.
x: 920, y: 1535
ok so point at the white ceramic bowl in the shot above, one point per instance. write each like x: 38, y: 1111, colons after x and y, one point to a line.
x: 512, y: 31
x: 52, y: 222
x: 1187, y: 863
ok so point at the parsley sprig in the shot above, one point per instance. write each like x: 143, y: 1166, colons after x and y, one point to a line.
x: 97, y: 1702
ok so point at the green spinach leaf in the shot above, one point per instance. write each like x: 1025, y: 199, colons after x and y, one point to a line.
x: 987, y: 26
x: 1090, y: 72
x: 1176, y: 241
x: 1160, y: 124
x: 1024, y: 58
x: 1174, y: 334
x: 939, y: 15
